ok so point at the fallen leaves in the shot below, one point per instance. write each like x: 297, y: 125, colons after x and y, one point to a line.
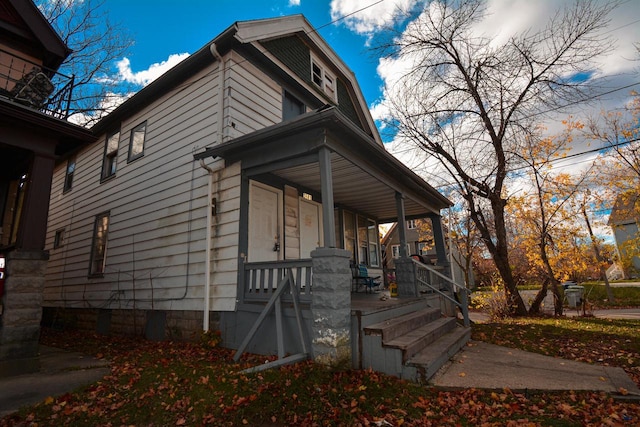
x: 192, y: 384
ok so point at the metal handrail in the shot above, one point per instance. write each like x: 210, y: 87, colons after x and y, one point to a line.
x: 463, y: 304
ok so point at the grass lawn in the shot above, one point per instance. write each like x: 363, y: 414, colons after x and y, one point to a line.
x: 168, y: 384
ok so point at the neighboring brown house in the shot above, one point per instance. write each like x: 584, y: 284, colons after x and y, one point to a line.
x: 34, y: 135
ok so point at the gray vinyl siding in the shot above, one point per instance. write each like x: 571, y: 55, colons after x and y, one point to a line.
x: 157, y: 205
x: 252, y: 100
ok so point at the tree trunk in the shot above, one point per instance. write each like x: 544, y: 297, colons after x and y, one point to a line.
x: 537, y: 301
x: 557, y: 299
x: 603, y: 272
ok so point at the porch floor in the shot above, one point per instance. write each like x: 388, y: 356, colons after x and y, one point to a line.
x: 367, y: 303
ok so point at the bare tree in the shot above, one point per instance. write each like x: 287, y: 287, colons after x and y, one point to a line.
x: 469, y: 102
x: 96, y: 44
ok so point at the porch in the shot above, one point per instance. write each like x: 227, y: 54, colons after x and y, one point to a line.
x: 312, y: 193
x: 280, y: 312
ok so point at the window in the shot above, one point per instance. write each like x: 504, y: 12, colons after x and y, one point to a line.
x: 68, y: 177
x: 367, y: 242
x: 291, y: 106
x: 350, y: 234
x: 411, y: 224
x: 373, y: 243
x: 395, y: 251
x: 423, y: 248
x: 136, y: 142
x: 58, y: 239
x: 99, y: 246
x: 323, y: 79
x: 110, y: 155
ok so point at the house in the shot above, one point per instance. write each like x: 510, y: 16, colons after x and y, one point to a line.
x: 234, y: 193
x: 420, y: 243
x: 34, y: 135
x: 623, y: 221
x: 416, y: 243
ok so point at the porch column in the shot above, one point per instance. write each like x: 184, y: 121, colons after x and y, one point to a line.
x: 326, y: 187
x: 405, y: 269
x: 331, y: 306
x: 33, y: 222
x: 402, y: 225
x: 438, y: 239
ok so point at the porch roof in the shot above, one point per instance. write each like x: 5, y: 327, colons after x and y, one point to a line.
x: 365, y: 176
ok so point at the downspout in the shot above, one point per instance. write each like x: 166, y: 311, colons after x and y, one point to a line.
x: 207, y: 256
x: 210, y: 207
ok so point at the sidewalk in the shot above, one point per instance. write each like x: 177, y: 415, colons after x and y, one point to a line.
x: 483, y: 365
x: 61, y: 372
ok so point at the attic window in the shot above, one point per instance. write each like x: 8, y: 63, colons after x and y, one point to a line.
x: 323, y: 79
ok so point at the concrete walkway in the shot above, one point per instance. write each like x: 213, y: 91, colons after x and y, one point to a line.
x: 60, y: 372
x: 488, y: 366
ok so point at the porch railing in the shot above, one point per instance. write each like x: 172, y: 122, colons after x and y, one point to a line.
x: 427, y: 276
x: 34, y: 85
x: 260, y: 279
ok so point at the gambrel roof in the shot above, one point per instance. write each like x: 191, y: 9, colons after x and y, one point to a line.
x: 283, y: 46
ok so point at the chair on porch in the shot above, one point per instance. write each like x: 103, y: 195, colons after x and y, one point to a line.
x: 361, y: 278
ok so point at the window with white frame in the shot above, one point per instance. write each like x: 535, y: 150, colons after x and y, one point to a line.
x: 136, y: 141
x: 110, y: 155
x: 411, y: 224
x: 395, y: 251
x: 99, y: 245
x: 423, y: 248
x: 322, y: 78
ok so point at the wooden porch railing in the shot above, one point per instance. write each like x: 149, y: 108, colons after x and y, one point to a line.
x: 260, y: 279
x: 435, y: 281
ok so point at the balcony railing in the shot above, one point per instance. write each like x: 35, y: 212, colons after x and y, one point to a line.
x: 32, y: 85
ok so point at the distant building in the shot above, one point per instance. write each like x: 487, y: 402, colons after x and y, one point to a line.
x: 624, y: 224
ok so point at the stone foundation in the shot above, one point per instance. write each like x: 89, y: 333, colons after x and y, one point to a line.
x: 20, y: 319
x: 156, y: 325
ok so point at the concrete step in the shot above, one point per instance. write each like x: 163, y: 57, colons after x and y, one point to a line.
x: 393, y: 328
x: 431, y: 358
x: 421, y: 337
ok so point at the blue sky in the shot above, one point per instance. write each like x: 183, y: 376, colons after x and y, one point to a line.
x: 161, y: 28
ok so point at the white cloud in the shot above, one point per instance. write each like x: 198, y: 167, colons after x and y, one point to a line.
x: 506, y: 18
x: 154, y: 71
x: 293, y: 3
x: 368, y: 16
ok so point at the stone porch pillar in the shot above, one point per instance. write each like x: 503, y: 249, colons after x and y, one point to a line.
x: 331, y: 306
x: 20, y: 320
x: 406, y: 278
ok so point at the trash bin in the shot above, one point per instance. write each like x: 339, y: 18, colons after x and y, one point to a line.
x: 574, y: 294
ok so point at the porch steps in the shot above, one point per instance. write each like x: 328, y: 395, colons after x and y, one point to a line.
x: 413, y: 345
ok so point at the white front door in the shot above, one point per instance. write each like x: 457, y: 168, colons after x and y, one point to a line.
x: 265, y: 218
x: 310, y: 227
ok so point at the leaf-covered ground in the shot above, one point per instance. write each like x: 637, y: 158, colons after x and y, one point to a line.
x: 191, y: 384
